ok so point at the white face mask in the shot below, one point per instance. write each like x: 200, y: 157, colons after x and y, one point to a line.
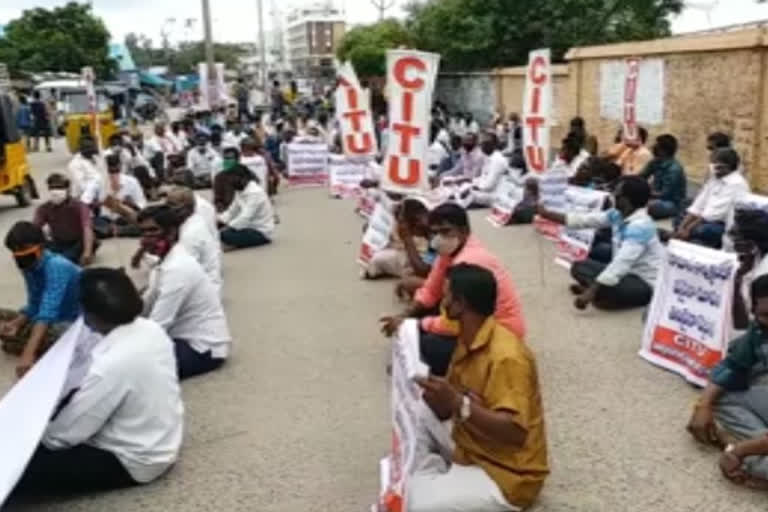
x: 445, y: 245
x: 57, y: 195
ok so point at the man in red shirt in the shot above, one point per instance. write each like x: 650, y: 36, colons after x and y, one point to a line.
x: 68, y: 220
x: 454, y: 243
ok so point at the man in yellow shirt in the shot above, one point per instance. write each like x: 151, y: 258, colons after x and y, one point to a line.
x: 482, y: 445
x: 631, y: 156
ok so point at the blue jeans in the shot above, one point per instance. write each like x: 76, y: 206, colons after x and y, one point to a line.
x: 242, y: 238
x: 708, y: 234
x: 659, y: 209
x: 191, y: 363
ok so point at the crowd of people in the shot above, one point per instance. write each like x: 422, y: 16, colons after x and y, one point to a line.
x: 482, y: 446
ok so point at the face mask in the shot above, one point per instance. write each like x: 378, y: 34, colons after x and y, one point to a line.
x: 161, y: 248
x: 228, y: 164
x: 445, y: 245
x: 26, y: 259
x: 57, y: 195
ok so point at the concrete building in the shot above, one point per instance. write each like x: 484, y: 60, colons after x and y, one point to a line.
x: 312, y: 34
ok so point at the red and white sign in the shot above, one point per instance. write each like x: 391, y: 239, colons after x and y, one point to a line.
x: 406, y: 395
x: 630, y: 131
x: 93, y: 108
x: 410, y: 81
x: 381, y: 224
x: 353, y: 105
x: 307, y: 164
x: 575, y: 244
x: 345, y: 174
x: 507, y: 197
x: 689, y: 322
x: 537, y: 110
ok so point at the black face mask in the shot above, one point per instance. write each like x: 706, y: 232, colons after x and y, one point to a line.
x: 26, y: 262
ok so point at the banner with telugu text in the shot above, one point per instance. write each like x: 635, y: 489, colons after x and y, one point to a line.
x: 345, y: 175
x: 307, y: 164
x: 689, y: 322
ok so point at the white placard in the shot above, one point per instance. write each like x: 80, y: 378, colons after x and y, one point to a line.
x: 27, y: 408
x: 537, y: 111
x: 649, y: 104
x: 345, y: 174
x: 381, y: 224
x: 575, y: 244
x: 410, y: 82
x: 552, y: 187
x: 353, y: 107
x: 507, y: 197
x: 406, y: 394
x: 307, y: 164
x: 689, y: 322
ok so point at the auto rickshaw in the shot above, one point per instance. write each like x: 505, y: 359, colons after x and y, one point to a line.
x: 78, y: 121
x: 14, y: 169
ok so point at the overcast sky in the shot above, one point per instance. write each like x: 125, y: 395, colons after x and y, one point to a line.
x: 235, y: 20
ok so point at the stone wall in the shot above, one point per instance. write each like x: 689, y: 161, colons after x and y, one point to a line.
x: 712, y: 82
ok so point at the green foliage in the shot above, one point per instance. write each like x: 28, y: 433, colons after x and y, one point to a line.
x: 476, y: 34
x: 64, y: 38
x: 366, y: 46
x: 182, y: 59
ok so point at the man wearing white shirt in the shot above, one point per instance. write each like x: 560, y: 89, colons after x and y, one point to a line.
x: 750, y: 238
x: 713, y: 208
x: 249, y: 221
x: 116, y: 148
x: 234, y: 137
x: 203, y: 162
x: 195, y: 235
x: 495, y: 168
x: 472, y: 126
x: 123, y: 424
x: 84, y: 173
x: 158, y: 148
x: 178, y: 137
x: 439, y: 150
x: 255, y: 163
x: 181, y: 298
x: 205, y: 209
x: 122, y: 200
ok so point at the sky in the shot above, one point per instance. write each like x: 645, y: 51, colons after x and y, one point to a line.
x: 235, y: 20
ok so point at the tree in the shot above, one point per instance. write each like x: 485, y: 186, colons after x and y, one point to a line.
x: 64, y: 38
x: 476, y: 34
x: 183, y: 58
x: 366, y: 46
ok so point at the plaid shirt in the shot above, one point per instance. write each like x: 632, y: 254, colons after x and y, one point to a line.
x: 53, y: 290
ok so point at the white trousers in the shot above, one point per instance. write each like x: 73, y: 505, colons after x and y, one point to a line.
x: 480, y: 198
x: 437, y: 485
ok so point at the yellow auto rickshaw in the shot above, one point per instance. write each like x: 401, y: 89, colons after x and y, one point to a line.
x: 14, y: 169
x: 78, y: 120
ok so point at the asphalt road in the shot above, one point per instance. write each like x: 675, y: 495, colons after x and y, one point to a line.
x: 298, y: 419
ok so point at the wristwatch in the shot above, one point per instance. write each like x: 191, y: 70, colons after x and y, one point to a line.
x: 465, y: 411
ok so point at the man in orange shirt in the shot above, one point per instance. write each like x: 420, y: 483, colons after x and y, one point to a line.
x: 632, y: 157
x: 481, y: 443
x: 454, y: 243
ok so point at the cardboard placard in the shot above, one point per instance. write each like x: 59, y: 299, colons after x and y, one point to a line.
x: 307, y: 164
x: 345, y: 174
x: 381, y: 224
x: 507, y: 197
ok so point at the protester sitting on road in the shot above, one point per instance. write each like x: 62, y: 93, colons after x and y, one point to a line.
x: 116, y: 147
x: 713, y: 208
x: 572, y: 155
x: 588, y: 142
x: 254, y: 161
x: 123, y: 425
x: 631, y: 156
x: 124, y: 198
x: 52, y: 284
x: 732, y: 410
x: 249, y: 221
x: 234, y: 136
x: 410, y: 254
x: 181, y: 297
x: 68, y: 221
x: 178, y: 137
x: 668, y: 180
x: 495, y: 168
x: 628, y: 281
x: 471, y: 161
x: 481, y: 442
x: 158, y: 148
x: 202, y: 162
x: 525, y: 210
x: 454, y: 243
x: 195, y: 235
x: 84, y: 173
x: 223, y: 181
x: 750, y: 239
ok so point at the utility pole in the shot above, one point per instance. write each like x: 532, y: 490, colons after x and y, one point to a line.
x: 212, y: 81
x: 383, y: 6
x: 262, y: 47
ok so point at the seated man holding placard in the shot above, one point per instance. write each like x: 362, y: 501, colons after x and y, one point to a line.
x: 481, y: 444
x: 52, y: 283
x: 249, y: 221
x: 733, y: 409
x: 495, y: 168
x: 750, y: 240
x: 454, y: 243
x: 628, y: 280
x: 123, y: 425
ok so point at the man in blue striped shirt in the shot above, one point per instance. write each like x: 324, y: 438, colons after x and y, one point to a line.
x: 53, y: 296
